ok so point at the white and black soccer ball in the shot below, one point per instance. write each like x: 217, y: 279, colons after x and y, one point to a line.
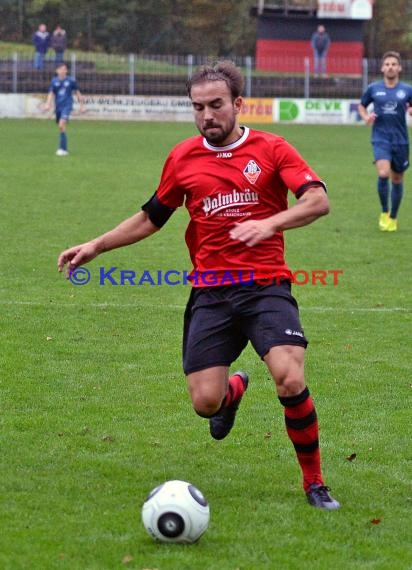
x: 176, y: 511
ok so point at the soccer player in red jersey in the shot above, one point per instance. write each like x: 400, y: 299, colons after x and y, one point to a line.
x: 234, y: 182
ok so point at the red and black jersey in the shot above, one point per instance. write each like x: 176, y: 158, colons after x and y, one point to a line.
x: 248, y: 179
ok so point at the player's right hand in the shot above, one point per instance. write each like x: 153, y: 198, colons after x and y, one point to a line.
x: 76, y: 256
x: 370, y: 119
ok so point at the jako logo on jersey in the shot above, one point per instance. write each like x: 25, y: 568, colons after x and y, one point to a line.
x: 223, y: 201
x: 252, y: 171
x: 294, y: 333
x: 224, y: 155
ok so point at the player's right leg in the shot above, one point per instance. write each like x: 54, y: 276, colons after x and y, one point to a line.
x: 383, y: 169
x: 210, y: 344
x: 217, y: 397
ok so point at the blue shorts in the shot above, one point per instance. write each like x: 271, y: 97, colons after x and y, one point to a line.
x: 63, y: 113
x: 398, y: 155
x: 220, y: 321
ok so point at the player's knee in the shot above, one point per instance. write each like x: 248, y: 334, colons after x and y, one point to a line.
x: 205, y: 406
x: 290, y: 384
x: 383, y: 172
x: 397, y: 178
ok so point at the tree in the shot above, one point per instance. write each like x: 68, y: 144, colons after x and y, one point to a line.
x: 390, y: 29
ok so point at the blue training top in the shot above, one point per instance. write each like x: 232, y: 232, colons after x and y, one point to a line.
x: 390, y: 105
x: 63, y: 90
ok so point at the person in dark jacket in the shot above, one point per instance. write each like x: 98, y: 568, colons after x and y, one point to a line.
x: 320, y: 43
x: 59, y: 43
x: 41, y: 42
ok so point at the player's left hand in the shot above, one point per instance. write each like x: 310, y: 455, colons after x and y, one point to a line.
x: 252, y: 232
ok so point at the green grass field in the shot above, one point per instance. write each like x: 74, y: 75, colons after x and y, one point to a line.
x: 94, y: 408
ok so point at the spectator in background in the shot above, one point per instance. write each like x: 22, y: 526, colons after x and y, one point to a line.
x: 58, y: 43
x: 41, y: 42
x: 320, y: 43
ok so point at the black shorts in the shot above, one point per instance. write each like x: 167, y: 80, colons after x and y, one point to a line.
x: 219, y: 322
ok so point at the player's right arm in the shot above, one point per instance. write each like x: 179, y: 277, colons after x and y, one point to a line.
x: 369, y: 118
x: 129, y: 231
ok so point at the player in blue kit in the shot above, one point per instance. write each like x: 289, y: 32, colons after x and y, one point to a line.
x: 391, y: 99
x: 62, y: 88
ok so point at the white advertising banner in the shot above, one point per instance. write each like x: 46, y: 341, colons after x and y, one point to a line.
x: 329, y: 111
x: 11, y: 106
x: 122, y: 107
x: 351, y: 9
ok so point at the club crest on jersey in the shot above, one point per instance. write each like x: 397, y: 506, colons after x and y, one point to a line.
x: 252, y: 171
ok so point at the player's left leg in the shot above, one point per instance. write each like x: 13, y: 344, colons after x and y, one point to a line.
x: 400, y: 162
x: 286, y: 365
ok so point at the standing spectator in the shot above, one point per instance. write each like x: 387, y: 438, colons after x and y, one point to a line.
x: 320, y: 43
x: 41, y: 42
x: 59, y: 43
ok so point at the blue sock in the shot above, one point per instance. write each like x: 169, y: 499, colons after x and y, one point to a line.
x: 383, y: 191
x: 396, y: 198
x: 63, y: 141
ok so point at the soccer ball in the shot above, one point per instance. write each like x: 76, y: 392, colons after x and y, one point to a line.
x: 176, y: 511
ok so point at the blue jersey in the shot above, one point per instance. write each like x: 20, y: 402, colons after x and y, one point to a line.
x: 63, y: 90
x: 390, y: 105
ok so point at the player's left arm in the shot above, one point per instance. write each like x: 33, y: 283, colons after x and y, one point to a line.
x: 80, y: 100
x: 313, y: 204
x: 49, y: 101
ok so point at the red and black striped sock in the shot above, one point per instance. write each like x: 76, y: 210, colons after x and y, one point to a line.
x: 235, y: 390
x: 303, y: 431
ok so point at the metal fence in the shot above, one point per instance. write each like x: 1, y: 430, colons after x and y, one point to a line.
x: 167, y: 75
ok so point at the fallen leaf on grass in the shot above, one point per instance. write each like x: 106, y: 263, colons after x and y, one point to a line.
x: 108, y: 438
x: 376, y: 521
x: 126, y: 559
x: 268, y: 435
x: 351, y: 457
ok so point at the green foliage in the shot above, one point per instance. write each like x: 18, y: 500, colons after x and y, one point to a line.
x: 94, y: 408
x: 199, y: 27
x: 390, y: 29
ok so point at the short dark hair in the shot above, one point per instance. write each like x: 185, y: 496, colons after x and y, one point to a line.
x: 223, y: 70
x: 394, y: 54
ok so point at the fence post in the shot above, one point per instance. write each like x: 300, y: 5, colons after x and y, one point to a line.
x: 131, y: 74
x: 248, y: 63
x: 189, y: 65
x: 365, y: 72
x: 15, y: 71
x: 307, y: 78
x: 73, y: 65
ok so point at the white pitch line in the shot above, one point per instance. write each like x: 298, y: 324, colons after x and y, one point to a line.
x: 182, y: 307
